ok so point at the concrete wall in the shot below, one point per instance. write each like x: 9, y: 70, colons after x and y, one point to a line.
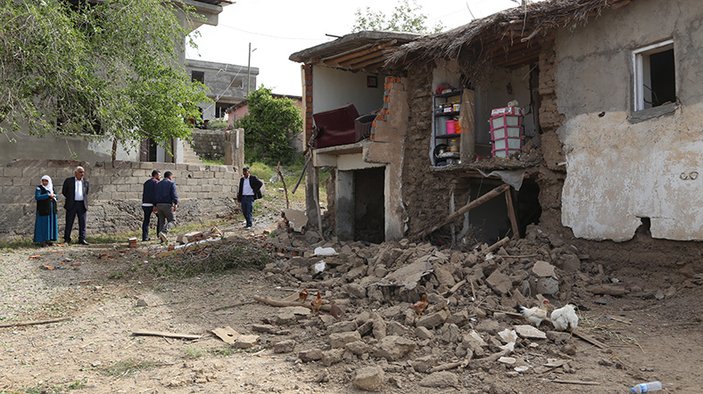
x: 14, y: 146
x: 206, y: 192
x: 619, y: 171
x: 226, y: 83
x: 336, y: 88
x: 209, y: 144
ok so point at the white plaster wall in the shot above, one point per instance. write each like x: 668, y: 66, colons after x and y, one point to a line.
x: 618, y: 171
x: 333, y: 88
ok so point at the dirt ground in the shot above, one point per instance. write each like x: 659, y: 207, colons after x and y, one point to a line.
x: 650, y: 337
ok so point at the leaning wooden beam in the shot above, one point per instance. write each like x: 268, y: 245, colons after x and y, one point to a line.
x: 466, y: 208
x: 165, y: 335
x: 497, y: 245
x: 590, y: 339
x: 34, y: 322
x: 284, y: 303
x: 511, y: 213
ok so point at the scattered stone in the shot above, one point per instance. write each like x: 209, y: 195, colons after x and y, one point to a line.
x: 423, y: 364
x: 286, y: 346
x: 355, y: 290
x: 489, y: 326
x: 331, y: 357
x: 338, y: 340
x: 451, y: 333
x: 379, y: 327
x: 508, y: 335
x: 444, y: 276
x: 529, y: 332
x: 264, y: 328
x: 246, y: 341
x: 358, y: 348
x: 558, y: 337
x: 369, y: 379
x: 499, y: 282
x: 569, y: 349
x: 423, y: 333
x: 309, y: 355
x: 394, y: 347
x: 507, y: 360
x: 440, y: 380
x: 344, y: 326
x: 433, y: 320
x: 548, y: 286
x: 365, y: 328
x: 570, y: 263
x: 395, y: 328
x: 543, y: 269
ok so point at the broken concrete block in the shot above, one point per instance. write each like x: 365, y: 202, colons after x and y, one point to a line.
x: 309, y: 355
x: 433, y: 320
x: 459, y: 318
x: 451, y: 333
x: 286, y: 346
x: 507, y: 360
x: 393, y: 347
x: 395, y: 328
x: 358, y: 347
x: 265, y: 328
x: 338, y: 340
x: 444, y: 276
x: 558, y: 337
x: 543, y: 269
x: 489, y: 326
x: 570, y: 263
x: 440, y: 380
x: 499, y: 282
x: 423, y: 364
x: 423, y: 333
x: 379, y: 327
x: 369, y: 379
x: 508, y: 335
x: 355, y: 290
x: 331, y: 357
x: 246, y: 341
x: 409, y: 275
x: 529, y: 332
x: 548, y: 286
x: 344, y: 326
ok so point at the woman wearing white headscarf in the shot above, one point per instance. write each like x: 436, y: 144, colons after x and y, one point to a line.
x: 46, y: 225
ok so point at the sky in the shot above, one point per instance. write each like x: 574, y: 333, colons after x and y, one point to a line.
x: 278, y: 28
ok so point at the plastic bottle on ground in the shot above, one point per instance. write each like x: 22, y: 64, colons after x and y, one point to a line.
x: 646, y: 387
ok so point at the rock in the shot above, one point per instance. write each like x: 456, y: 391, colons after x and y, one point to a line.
x: 529, y: 332
x: 507, y: 360
x: 365, y: 328
x: 543, y: 269
x: 331, y: 357
x: 264, y: 328
x: 451, y: 333
x: 423, y: 333
x: 440, y: 380
x: 569, y: 349
x: 286, y: 346
x: 379, y: 327
x: 358, y: 347
x: 570, y: 263
x: 141, y: 303
x: 499, y: 282
x: 423, y: 364
x: 507, y: 336
x: 444, y: 276
x: 489, y: 326
x: 395, y: 328
x: 309, y: 355
x: 548, y: 286
x: 246, y: 341
x: 433, y: 320
x: 355, y: 290
x: 558, y: 337
x: 394, y: 347
x: 369, y: 379
x: 344, y: 326
x: 338, y: 340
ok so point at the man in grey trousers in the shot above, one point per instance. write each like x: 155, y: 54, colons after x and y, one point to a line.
x: 166, y: 205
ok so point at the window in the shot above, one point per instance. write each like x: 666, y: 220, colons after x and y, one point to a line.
x: 220, y: 109
x: 654, y: 75
x: 197, y: 76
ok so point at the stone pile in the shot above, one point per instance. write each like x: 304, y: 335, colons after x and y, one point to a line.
x: 469, y: 323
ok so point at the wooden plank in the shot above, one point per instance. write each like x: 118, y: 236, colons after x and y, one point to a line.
x: 466, y: 208
x: 467, y: 122
x: 589, y: 339
x: 165, y: 335
x: 337, y: 61
x: 34, y: 322
x: 345, y: 53
x: 497, y: 245
x: 511, y: 213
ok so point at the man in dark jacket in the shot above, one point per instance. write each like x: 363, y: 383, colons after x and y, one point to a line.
x: 166, y: 205
x: 249, y: 190
x: 75, y: 190
x: 148, y: 201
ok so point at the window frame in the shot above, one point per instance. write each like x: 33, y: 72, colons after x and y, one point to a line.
x: 638, y: 54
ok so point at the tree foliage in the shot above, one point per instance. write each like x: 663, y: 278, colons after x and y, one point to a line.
x: 109, y: 68
x: 269, y: 127
x: 406, y: 17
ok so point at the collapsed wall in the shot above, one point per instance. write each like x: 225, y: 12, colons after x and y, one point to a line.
x: 205, y: 193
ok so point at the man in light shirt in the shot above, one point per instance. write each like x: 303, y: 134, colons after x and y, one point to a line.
x: 75, y: 190
x: 249, y: 190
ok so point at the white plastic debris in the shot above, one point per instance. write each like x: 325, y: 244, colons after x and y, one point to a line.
x: 320, y: 251
x: 319, y: 266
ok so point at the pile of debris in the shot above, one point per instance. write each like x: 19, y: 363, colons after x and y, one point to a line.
x: 405, y: 307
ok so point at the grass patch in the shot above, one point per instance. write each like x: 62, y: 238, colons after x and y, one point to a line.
x: 128, y: 367
x: 213, y: 162
x: 222, y: 352
x: 192, y: 352
x: 20, y: 243
x: 50, y: 389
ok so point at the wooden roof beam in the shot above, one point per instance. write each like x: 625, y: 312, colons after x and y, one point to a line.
x: 357, y: 53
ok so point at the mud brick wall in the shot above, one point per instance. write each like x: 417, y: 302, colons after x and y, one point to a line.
x: 209, y: 144
x: 205, y: 193
x: 425, y: 192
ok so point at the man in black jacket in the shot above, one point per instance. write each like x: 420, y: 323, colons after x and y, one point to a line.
x: 75, y: 190
x: 148, y: 201
x: 249, y: 190
x: 166, y: 205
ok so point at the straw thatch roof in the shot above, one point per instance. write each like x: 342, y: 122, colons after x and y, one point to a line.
x: 515, y: 29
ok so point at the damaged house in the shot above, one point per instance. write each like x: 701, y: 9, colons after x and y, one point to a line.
x: 586, y: 108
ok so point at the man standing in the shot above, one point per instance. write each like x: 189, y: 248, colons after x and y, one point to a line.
x: 166, y: 204
x: 148, y: 201
x: 249, y: 190
x: 75, y: 191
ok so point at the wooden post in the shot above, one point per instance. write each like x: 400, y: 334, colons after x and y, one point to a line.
x: 466, y: 208
x: 467, y: 122
x: 452, y: 208
x: 316, y: 197
x: 511, y: 213
x: 283, y: 181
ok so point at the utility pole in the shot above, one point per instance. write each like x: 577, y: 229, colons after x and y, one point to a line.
x: 249, y: 70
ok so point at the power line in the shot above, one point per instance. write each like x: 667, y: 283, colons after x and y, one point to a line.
x: 270, y: 35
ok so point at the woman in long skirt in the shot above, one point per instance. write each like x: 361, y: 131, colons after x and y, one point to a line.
x: 46, y: 225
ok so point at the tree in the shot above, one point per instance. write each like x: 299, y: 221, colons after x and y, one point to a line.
x: 269, y: 127
x: 109, y: 69
x: 406, y: 17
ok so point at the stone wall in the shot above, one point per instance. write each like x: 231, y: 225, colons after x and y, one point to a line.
x: 205, y: 192
x: 209, y: 144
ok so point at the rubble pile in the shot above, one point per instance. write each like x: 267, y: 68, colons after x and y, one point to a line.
x: 386, y: 336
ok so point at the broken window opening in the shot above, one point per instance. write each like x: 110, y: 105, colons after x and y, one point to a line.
x: 197, y: 76
x: 654, y: 75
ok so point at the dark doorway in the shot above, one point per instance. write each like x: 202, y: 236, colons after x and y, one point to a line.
x: 369, y: 212
x: 528, y: 208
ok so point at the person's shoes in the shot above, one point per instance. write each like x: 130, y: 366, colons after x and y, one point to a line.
x: 250, y: 228
x: 49, y: 243
x: 83, y: 242
x: 163, y: 238
x: 67, y: 241
x: 146, y: 239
